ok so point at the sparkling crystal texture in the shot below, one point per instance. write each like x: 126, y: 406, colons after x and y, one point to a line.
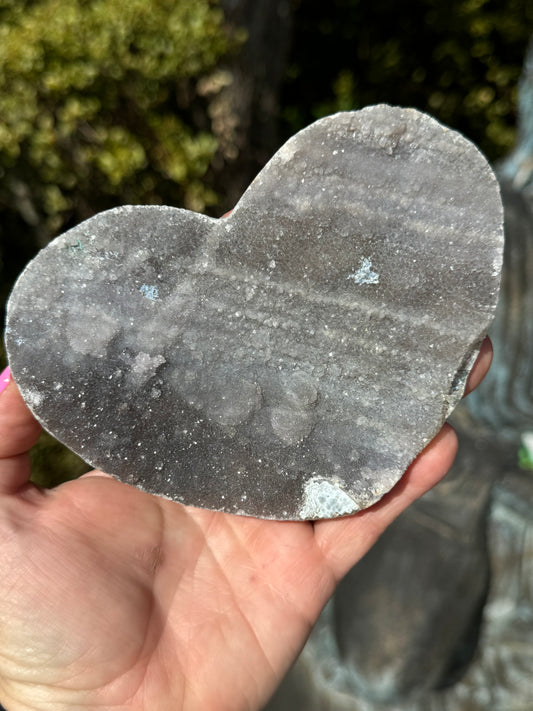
x: 289, y: 361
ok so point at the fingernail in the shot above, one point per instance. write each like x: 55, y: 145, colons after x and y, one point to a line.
x: 5, y: 379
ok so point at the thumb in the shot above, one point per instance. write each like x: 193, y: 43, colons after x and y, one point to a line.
x: 19, y: 431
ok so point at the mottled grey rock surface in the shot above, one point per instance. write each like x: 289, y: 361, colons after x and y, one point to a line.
x: 291, y: 360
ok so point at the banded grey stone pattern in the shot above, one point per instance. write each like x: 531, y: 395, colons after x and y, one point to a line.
x: 291, y: 360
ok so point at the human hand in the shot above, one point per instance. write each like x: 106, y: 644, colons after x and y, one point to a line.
x: 115, y: 599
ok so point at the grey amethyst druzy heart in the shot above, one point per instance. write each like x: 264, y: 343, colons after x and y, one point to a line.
x: 291, y: 360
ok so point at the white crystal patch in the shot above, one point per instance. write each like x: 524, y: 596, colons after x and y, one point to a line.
x: 365, y: 274
x: 323, y: 499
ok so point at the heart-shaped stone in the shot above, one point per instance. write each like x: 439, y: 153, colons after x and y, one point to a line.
x: 291, y: 360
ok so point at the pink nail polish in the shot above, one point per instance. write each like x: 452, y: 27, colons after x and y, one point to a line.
x: 5, y: 379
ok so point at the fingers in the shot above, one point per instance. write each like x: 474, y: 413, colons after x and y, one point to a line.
x: 94, y: 473
x: 481, y: 366
x: 5, y: 379
x: 19, y: 431
x: 345, y: 541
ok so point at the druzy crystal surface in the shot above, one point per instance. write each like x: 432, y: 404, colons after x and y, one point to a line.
x: 289, y: 361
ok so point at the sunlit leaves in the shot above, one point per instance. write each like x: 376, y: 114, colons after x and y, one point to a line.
x: 460, y: 60
x: 88, y: 107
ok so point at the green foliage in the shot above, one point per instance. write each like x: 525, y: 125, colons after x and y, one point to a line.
x: 525, y: 460
x: 525, y: 452
x: 459, y: 60
x: 96, y: 107
x: 53, y: 464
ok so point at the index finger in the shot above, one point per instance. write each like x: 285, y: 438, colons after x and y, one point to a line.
x: 481, y: 366
x: 19, y: 431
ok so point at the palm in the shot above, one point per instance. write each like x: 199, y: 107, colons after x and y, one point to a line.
x: 115, y: 599
x: 143, y: 596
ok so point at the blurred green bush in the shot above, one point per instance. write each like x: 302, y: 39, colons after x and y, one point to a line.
x: 459, y: 60
x: 96, y: 105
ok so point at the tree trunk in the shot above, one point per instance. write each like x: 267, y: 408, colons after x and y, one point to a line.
x: 249, y: 106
